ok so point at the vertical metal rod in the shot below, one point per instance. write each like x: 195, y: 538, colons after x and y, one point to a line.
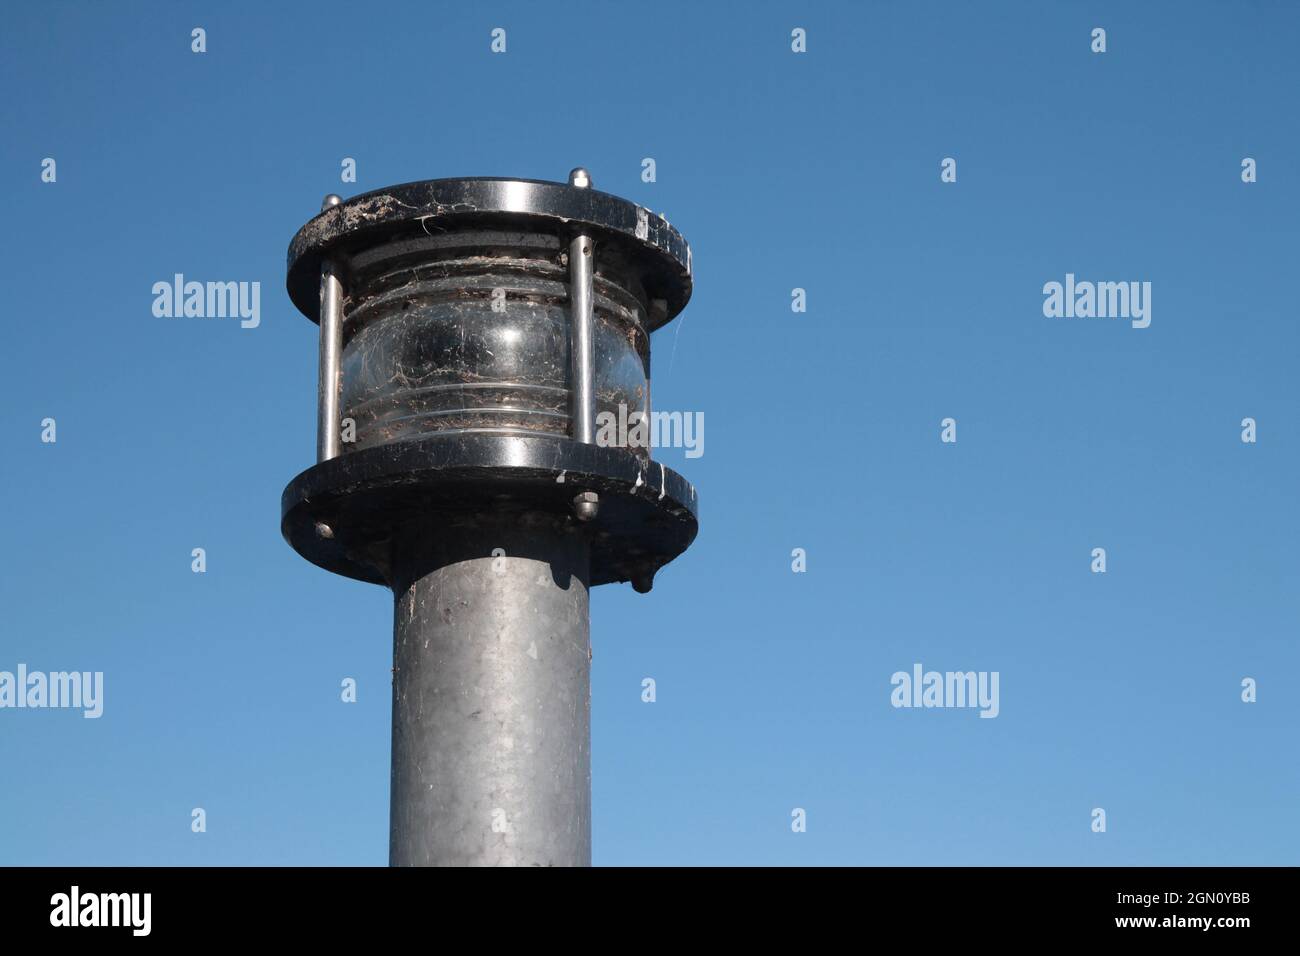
x: 328, y: 442
x: 582, y: 348
x: 491, y: 697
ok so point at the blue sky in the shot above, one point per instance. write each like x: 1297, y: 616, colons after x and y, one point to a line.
x: 818, y: 170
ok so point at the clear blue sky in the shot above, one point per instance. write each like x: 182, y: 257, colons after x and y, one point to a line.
x: 819, y: 171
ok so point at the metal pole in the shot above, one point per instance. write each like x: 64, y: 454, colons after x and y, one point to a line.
x: 491, y: 760
x: 581, y: 336
x: 328, y: 443
x: 474, y: 487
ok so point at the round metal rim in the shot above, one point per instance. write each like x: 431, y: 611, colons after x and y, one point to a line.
x: 648, y: 514
x: 366, y: 218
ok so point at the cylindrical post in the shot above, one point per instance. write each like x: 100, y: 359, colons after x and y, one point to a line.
x: 473, y: 485
x: 582, y: 348
x: 491, y: 760
x: 328, y: 442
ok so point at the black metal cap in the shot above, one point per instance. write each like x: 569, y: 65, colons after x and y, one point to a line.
x: 662, y: 256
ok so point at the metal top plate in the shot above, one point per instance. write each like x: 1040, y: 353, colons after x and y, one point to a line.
x: 661, y: 255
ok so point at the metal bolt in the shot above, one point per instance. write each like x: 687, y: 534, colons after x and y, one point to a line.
x: 330, y: 200
x: 586, y: 505
x: 580, y: 178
